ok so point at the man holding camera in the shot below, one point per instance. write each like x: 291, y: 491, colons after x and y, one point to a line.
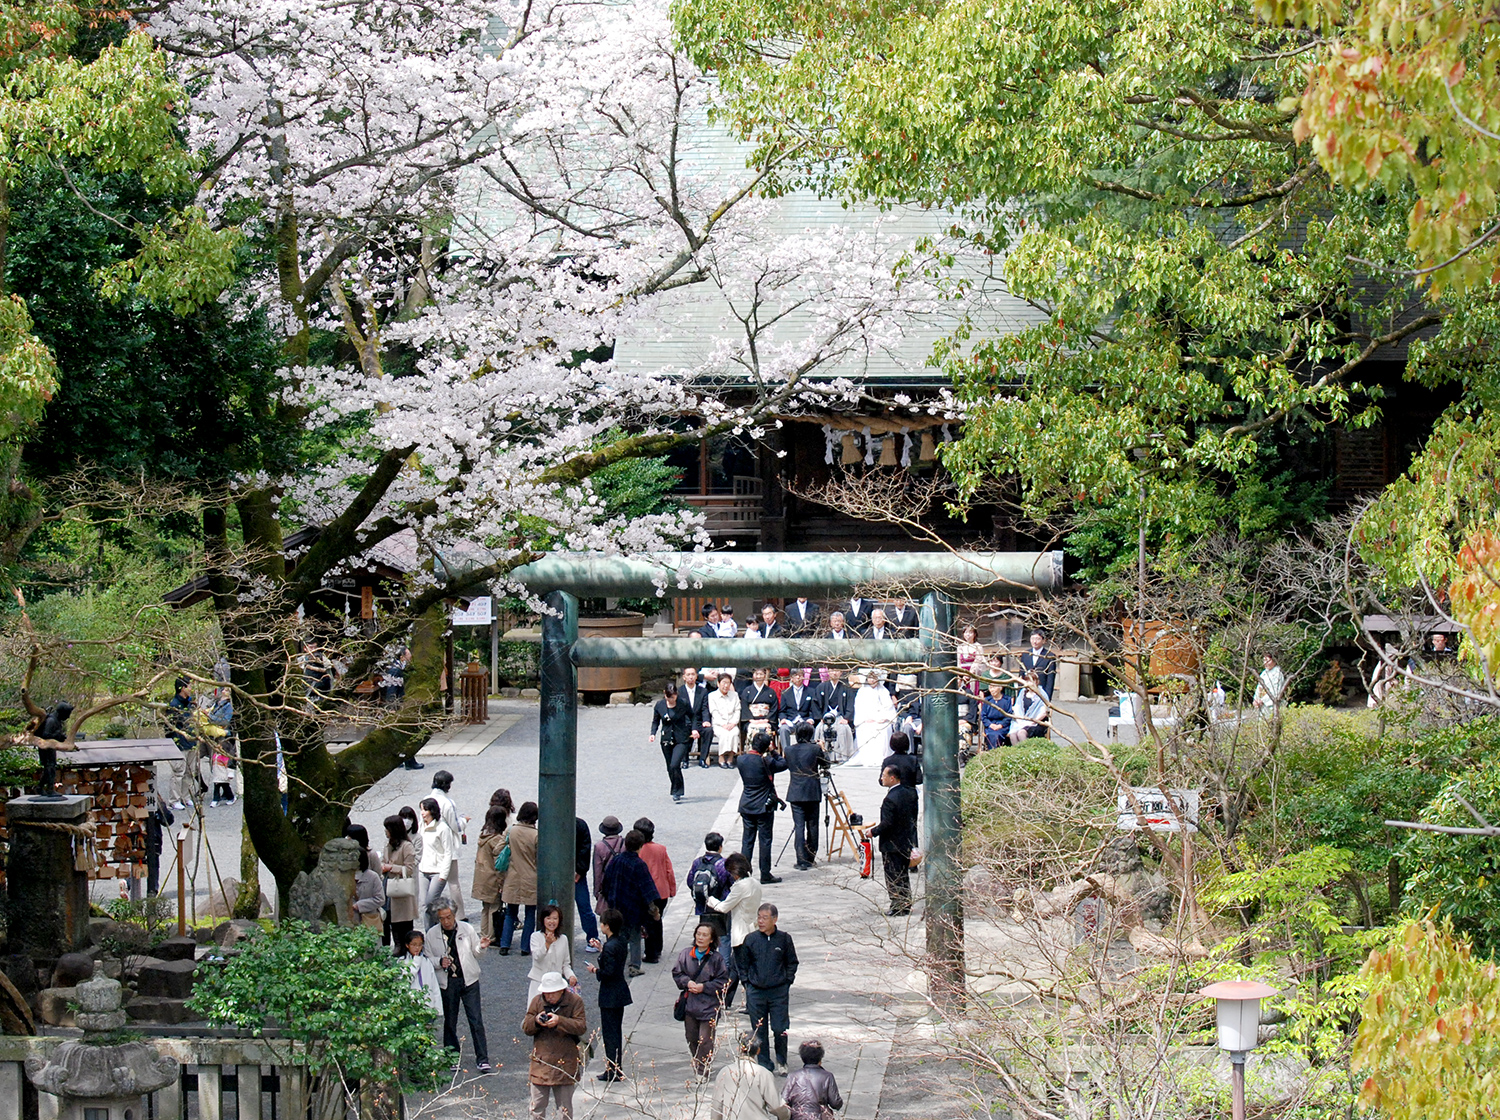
x: 758, y: 801
x: 807, y: 764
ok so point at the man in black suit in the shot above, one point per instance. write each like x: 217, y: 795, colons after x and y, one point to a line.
x: 695, y: 696
x: 897, y: 832
x: 907, y: 766
x: 857, y: 613
x: 1040, y: 660
x: 769, y: 627
x: 711, y: 620
x: 796, y: 705
x: 838, y: 628
x: 907, y: 619
x: 806, y: 761
x: 757, y: 767
x: 802, y: 617
x: 880, y: 629
x: 836, y: 698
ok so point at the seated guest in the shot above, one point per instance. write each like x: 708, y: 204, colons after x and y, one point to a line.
x: 837, y: 630
x: 1032, y: 720
x: 995, y: 712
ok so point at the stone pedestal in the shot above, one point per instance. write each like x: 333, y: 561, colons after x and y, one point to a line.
x: 48, y: 903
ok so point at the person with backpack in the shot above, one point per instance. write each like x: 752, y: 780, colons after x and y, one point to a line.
x: 708, y: 878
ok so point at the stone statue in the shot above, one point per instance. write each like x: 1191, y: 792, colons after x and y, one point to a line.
x: 330, y: 885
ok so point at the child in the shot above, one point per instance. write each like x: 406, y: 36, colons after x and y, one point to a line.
x: 423, y: 975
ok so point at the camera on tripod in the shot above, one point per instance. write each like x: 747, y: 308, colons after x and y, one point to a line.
x: 829, y: 731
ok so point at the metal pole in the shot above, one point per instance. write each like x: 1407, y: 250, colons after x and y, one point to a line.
x: 181, y: 889
x: 557, y: 776
x: 1237, y: 1081
x: 942, y: 802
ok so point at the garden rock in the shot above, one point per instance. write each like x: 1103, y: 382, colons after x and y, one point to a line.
x: 52, y: 1006
x: 232, y: 933
x: 173, y: 979
x: 176, y: 949
x: 71, y: 970
x: 158, y: 1009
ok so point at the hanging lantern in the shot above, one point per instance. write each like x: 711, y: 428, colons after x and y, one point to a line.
x: 851, y: 453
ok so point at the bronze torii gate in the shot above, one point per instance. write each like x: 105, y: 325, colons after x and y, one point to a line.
x: 562, y: 578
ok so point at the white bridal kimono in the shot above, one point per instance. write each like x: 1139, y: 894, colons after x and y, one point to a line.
x: 874, y: 717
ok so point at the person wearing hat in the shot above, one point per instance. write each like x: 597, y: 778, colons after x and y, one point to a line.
x: 746, y: 1090
x: 611, y: 843
x: 557, y: 1022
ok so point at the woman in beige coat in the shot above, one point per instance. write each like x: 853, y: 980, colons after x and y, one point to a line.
x: 520, y: 881
x: 488, y: 882
x: 400, y: 863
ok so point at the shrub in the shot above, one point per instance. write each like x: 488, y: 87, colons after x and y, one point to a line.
x: 1458, y: 877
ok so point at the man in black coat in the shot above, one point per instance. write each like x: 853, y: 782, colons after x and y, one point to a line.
x: 1041, y: 661
x: 802, y: 618
x: 767, y: 966
x: 797, y: 700
x: 614, y: 991
x: 758, y: 768
x: 769, y: 627
x: 897, y: 832
x: 857, y: 613
x: 806, y: 762
x: 906, y: 619
x: 583, y: 857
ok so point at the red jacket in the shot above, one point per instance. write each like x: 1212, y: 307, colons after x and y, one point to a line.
x: 662, y: 874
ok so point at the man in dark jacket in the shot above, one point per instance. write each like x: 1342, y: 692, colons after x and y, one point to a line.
x: 806, y: 761
x: 811, y: 1092
x: 1041, y: 661
x: 583, y: 855
x: 694, y: 694
x: 802, y: 618
x: 767, y: 966
x: 758, y: 767
x: 907, y: 766
x: 708, y: 878
x: 630, y: 889
x: 614, y: 991
x: 897, y: 832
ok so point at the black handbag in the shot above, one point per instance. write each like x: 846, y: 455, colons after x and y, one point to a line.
x: 679, y: 1009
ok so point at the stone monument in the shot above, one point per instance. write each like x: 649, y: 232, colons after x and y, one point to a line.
x: 46, y: 874
x: 93, y: 1078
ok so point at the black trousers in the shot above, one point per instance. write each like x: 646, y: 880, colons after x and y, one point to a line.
x: 805, y: 830
x: 897, y: 880
x: 469, y: 998
x: 758, y: 824
x: 652, y: 926
x: 769, y: 1011
x: 675, y: 755
x: 611, y: 1025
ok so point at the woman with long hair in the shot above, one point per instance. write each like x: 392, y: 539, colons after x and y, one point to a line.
x: 519, y: 889
x: 400, y: 867
x: 488, y: 882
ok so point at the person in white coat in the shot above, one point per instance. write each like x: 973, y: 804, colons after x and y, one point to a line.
x: 550, y: 952
x: 454, y: 947
x: 874, y: 717
x: 1272, y: 687
x: 746, y: 1090
x: 442, y: 782
x: 439, y: 851
x: 742, y: 904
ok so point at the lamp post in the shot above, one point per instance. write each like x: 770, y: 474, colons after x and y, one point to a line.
x: 1237, y: 1003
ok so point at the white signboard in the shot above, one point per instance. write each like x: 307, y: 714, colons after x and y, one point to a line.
x: 478, y: 613
x: 1157, y: 810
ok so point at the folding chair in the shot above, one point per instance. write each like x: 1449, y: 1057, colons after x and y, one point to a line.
x: 842, y: 831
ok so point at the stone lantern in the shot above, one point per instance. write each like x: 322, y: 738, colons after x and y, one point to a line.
x: 93, y: 1078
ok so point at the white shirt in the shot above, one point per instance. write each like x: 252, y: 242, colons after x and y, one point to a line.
x: 1272, y: 685
x: 449, y: 811
x: 742, y: 904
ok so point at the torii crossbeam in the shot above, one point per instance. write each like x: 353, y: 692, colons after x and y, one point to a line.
x: 938, y: 577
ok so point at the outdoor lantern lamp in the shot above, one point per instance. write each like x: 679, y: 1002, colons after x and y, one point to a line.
x: 1238, y: 1005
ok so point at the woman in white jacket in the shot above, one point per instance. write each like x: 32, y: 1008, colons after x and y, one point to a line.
x: 550, y: 952
x: 742, y: 904
x: 439, y: 849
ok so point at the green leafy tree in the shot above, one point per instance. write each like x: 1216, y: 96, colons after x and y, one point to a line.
x: 341, y: 997
x: 1429, y: 1032
x: 1455, y: 876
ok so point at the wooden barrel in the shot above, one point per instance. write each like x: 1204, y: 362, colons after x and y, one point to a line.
x: 617, y: 624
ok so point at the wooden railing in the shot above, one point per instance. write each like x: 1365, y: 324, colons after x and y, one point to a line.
x: 728, y: 515
x: 219, y: 1078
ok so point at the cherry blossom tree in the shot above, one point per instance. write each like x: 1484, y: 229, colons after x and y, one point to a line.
x: 461, y: 209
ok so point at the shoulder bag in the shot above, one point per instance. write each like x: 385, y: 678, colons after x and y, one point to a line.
x: 502, y: 861
x: 679, y: 1009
